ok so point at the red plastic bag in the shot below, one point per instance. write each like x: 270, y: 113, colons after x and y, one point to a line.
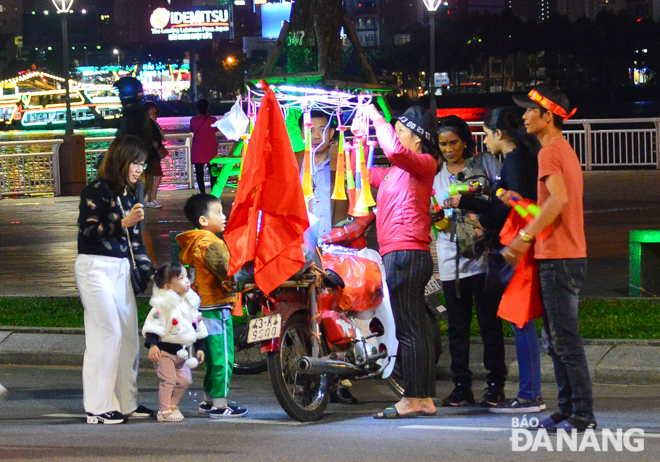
x: 363, y: 279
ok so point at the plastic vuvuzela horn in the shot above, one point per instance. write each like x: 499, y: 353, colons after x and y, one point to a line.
x: 365, y: 199
x: 307, y: 185
x: 350, y: 179
x: 340, y: 177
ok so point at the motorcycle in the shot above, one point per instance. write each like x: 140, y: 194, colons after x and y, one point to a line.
x: 313, y: 336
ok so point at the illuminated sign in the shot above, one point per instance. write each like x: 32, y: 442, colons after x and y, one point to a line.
x: 200, y: 24
x: 273, y: 16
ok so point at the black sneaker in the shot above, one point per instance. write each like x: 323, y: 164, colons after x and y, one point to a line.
x: 550, y: 421
x: 141, y: 412
x: 519, y: 405
x: 228, y: 412
x: 205, y: 408
x: 109, y: 418
x: 494, y: 395
x: 461, y: 396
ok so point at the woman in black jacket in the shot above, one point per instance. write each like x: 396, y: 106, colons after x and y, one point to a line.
x: 109, y: 217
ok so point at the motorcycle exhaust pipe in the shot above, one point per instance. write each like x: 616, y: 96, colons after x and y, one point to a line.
x: 320, y: 366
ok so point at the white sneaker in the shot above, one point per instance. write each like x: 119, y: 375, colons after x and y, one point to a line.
x: 153, y: 205
x: 3, y: 392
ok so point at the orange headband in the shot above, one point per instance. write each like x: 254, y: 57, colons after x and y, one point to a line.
x: 555, y: 108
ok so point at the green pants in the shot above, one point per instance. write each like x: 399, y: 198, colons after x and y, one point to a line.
x: 219, y: 352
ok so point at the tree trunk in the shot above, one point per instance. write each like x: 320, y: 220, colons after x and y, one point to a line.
x: 278, y: 50
x: 349, y: 29
x: 328, y: 18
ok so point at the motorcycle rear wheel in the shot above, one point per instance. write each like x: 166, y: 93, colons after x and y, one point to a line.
x: 248, y: 359
x: 303, y: 397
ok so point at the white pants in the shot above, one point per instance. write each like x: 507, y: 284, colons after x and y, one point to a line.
x: 111, y: 334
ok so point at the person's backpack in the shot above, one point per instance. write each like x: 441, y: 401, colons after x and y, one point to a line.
x: 470, y: 242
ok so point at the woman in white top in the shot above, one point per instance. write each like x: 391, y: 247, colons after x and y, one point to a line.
x: 463, y: 279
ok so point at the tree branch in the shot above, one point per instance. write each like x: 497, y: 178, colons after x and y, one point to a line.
x: 278, y: 50
x: 349, y: 28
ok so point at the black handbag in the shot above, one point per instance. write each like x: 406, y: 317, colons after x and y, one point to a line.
x: 138, y: 281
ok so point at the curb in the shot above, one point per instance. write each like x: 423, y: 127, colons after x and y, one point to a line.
x: 612, y: 361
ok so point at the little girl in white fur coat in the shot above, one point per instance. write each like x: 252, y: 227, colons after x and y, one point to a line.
x: 173, y: 325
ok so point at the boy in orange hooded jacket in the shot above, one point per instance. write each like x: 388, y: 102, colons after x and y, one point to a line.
x: 202, y: 250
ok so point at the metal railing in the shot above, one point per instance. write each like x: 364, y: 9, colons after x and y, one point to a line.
x: 178, y: 171
x: 599, y: 143
x: 23, y: 172
x: 176, y: 167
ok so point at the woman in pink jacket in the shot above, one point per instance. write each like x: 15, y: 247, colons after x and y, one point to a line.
x: 204, y: 144
x: 404, y: 228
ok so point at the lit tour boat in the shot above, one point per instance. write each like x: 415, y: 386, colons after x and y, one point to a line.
x: 36, y: 100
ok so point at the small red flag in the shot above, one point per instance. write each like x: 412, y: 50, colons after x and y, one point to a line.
x: 521, y: 301
x: 269, y: 216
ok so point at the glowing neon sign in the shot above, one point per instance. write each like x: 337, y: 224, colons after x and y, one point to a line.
x: 201, y: 24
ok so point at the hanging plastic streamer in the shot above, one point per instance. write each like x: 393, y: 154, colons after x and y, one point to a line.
x: 252, y: 111
x: 292, y: 119
x: 307, y: 184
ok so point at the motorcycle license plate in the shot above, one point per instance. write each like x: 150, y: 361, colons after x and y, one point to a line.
x: 264, y: 328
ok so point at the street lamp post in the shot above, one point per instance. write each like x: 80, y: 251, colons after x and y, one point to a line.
x: 63, y: 8
x: 432, y: 6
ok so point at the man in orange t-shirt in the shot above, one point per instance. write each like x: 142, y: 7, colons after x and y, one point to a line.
x: 561, y: 252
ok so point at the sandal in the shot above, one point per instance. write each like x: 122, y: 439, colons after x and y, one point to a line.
x: 176, y: 412
x: 393, y: 413
x: 168, y: 416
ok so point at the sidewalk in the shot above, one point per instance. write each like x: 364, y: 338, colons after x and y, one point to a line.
x: 630, y: 362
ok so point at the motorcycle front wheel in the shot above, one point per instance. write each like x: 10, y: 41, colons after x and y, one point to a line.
x: 303, y: 397
x: 248, y: 358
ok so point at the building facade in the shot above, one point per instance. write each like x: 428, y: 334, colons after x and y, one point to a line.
x: 11, y: 31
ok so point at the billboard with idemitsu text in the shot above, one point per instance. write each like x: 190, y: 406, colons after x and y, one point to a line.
x: 192, y: 25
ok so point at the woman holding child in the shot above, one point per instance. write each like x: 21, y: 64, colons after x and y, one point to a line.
x: 108, y: 209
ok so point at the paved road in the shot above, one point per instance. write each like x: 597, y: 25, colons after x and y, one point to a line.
x: 42, y: 419
x: 38, y: 247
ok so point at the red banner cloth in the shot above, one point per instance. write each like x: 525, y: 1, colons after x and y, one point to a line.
x: 269, y: 184
x: 521, y: 301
